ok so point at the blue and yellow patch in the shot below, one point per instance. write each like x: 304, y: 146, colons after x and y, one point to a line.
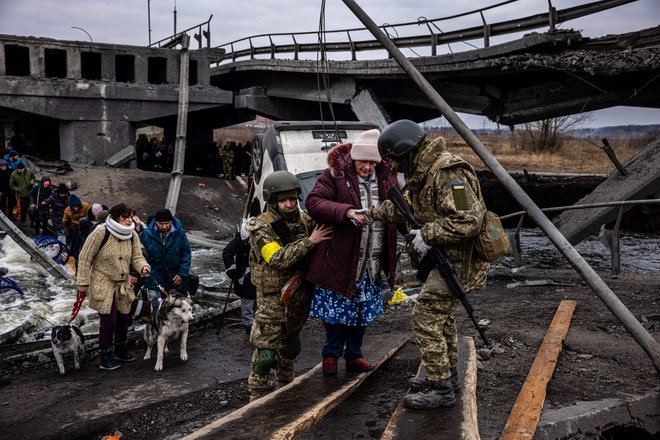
x: 460, y: 197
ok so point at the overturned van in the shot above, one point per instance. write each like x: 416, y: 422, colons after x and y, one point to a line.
x: 300, y: 147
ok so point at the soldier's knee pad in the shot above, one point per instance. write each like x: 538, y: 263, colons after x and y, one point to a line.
x: 292, y: 347
x: 266, y: 359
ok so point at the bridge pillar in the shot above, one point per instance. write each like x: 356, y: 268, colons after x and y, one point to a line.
x: 367, y: 108
x: 94, y: 141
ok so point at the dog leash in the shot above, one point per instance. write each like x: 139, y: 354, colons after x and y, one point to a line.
x: 80, y: 298
x: 162, y: 290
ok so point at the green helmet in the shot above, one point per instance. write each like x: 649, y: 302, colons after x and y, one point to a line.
x: 280, y: 181
x: 399, y: 138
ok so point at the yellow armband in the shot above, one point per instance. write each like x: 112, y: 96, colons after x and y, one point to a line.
x: 269, y: 249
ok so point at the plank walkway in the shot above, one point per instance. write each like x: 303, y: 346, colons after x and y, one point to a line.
x: 288, y: 412
x: 456, y: 422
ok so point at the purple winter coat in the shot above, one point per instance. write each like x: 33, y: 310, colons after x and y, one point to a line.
x: 334, y: 262
x: 57, y: 207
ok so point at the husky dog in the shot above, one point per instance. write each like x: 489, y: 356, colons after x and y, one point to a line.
x: 66, y: 339
x: 168, y: 321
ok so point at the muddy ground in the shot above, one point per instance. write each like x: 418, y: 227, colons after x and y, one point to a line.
x: 600, y: 359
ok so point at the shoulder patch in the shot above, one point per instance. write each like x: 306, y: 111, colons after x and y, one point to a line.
x: 460, y: 197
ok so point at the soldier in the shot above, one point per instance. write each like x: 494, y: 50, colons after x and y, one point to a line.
x: 280, y: 239
x: 227, y: 158
x: 446, y: 197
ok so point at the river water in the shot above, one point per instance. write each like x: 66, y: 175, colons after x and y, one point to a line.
x: 52, y: 299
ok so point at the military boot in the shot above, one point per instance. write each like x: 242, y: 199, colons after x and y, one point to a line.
x: 439, y: 395
x: 418, y: 383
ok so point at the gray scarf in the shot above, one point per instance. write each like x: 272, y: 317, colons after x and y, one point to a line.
x: 118, y: 230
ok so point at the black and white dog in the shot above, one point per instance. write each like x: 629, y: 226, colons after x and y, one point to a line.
x: 169, y: 320
x: 68, y: 339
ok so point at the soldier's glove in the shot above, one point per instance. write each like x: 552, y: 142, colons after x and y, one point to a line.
x: 418, y: 242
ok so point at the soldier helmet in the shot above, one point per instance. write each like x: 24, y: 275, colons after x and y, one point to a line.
x: 280, y: 181
x: 399, y: 138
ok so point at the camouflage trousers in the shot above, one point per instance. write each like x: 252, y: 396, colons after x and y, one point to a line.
x: 435, y: 328
x: 276, y: 335
x: 228, y: 167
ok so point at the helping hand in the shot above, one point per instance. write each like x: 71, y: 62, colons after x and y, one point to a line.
x: 321, y: 233
x: 418, y: 242
x: 145, y: 271
x: 358, y: 216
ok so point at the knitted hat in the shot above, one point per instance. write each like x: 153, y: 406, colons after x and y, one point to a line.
x: 62, y: 189
x: 12, y: 153
x: 20, y: 166
x: 74, y: 200
x: 44, y: 180
x: 163, y: 215
x: 3, y: 162
x: 96, y: 208
x: 365, y: 146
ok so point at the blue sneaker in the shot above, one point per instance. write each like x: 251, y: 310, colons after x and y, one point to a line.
x: 108, y: 362
x: 122, y: 353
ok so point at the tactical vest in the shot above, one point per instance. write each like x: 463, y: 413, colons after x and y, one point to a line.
x: 265, y: 277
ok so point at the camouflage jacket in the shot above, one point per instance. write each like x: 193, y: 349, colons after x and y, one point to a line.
x: 272, y: 261
x: 446, y: 196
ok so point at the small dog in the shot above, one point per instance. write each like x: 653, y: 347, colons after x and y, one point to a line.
x: 67, y: 339
x: 168, y: 321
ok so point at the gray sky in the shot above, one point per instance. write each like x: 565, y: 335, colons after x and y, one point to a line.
x: 126, y: 22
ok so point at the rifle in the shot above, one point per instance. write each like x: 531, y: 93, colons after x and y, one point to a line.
x: 438, y: 260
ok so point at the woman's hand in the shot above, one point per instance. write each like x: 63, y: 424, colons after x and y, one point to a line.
x: 321, y: 233
x: 82, y: 289
x: 359, y: 215
x: 145, y: 271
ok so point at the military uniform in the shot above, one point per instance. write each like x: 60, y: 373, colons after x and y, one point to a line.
x: 446, y: 196
x: 276, y: 329
x: 227, y: 157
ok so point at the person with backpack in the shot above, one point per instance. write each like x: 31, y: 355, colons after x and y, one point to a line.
x: 58, y: 201
x: 104, y: 265
x: 76, y: 210
x: 446, y: 197
x: 40, y: 211
x: 236, y: 257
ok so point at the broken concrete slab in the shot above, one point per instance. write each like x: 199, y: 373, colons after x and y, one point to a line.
x: 643, y: 179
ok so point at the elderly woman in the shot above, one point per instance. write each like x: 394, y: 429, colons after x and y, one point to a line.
x: 348, y: 295
x: 103, y: 267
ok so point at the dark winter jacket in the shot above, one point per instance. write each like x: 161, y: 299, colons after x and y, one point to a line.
x: 236, y: 257
x: 167, y: 258
x: 57, y: 207
x: 5, y: 175
x: 334, y: 262
x: 39, y: 193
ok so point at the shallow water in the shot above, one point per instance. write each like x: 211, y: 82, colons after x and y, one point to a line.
x: 48, y: 301
x: 53, y: 299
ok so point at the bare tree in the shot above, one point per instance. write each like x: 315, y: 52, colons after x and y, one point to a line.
x: 547, y: 135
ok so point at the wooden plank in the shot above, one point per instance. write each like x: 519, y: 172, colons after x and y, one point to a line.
x: 526, y: 411
x: 456, y: 422
x: 288, y: 412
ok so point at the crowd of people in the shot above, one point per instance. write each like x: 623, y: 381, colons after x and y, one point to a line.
x: 286, y: 264
x: 225, y: 159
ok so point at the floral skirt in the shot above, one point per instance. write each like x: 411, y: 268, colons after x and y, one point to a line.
x: 333, y: 308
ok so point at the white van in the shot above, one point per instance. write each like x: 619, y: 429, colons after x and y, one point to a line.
x: 300, y: 147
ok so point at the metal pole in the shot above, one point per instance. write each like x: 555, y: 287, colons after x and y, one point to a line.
x: 149, y: 19
x: 625, y: 317
x: 181, y: 124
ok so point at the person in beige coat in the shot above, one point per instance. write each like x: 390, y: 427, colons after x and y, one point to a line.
x: 104, y: 265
